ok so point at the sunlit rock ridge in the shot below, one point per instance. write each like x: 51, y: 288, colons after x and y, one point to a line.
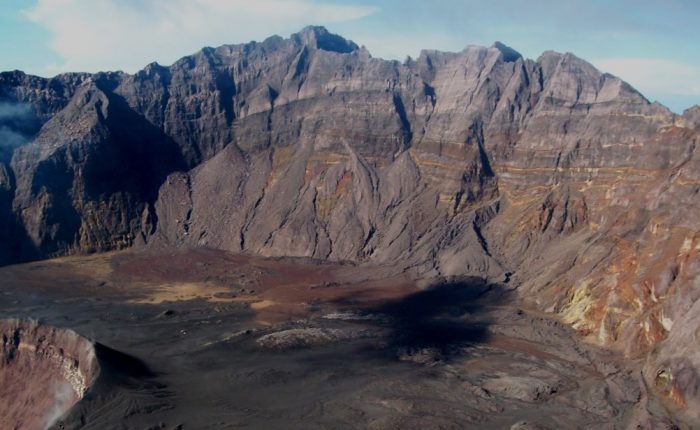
x: 548, y: 172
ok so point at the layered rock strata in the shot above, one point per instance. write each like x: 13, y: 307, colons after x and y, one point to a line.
x: 563, y: 179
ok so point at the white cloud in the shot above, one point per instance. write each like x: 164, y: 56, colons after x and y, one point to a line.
x: 655, y: 76
x: 92, y: 35
x: 393, y: 46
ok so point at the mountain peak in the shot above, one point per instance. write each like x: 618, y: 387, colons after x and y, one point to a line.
x: 320, y: 38
x: 695, y: 109
x: 692, y: 114
x: 509, y: 54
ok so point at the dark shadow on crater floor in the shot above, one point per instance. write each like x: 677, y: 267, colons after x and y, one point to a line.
x: 118, y: 365
x: 445, y: 317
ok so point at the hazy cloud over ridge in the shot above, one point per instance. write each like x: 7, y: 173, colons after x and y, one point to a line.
x: 656, y: 75
x: 17, y: 122
x: 94, y: 35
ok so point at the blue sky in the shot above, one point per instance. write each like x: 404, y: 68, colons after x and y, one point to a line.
x: 651, y: 44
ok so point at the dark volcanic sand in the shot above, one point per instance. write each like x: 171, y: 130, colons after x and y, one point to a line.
x: 202, y: 339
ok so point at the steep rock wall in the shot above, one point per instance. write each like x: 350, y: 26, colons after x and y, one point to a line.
x: 479, y: 162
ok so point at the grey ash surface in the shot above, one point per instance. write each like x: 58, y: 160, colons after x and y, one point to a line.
x: 457, y: 355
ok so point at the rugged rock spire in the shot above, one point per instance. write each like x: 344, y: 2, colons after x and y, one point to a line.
x: 320, y: 38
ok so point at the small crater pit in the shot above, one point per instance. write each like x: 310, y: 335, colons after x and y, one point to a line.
x: 44, y: 371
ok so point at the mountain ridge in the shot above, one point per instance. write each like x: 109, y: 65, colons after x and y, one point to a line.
x: 306, y: 36
x: 475, y: 163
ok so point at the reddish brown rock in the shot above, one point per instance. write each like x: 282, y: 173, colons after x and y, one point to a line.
x: 44, y: 371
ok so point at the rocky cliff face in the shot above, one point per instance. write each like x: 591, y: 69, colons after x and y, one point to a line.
x: 479, y: 162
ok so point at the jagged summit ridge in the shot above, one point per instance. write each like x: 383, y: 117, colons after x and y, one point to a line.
x: 453, y: 99
x: 509, y: 54
x: 320, y: 38
x: 479, y: 162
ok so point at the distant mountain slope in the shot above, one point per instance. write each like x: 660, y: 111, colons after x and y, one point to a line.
x: 479, y: 162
